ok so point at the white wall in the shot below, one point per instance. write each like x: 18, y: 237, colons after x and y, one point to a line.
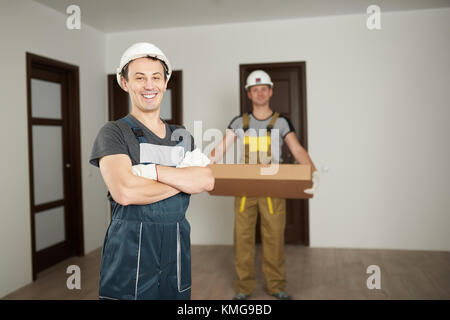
x: 28, y: 26
x: 378, y: 106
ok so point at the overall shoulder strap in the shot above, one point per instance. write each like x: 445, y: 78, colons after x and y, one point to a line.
x: 138, y: 132
x: 272, y: 121
x: 174, y: 127
x: 245, y: 121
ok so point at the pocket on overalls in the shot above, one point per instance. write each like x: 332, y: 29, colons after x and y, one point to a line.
x: 183, y: 256
x: 119, y: 261
x: 275, y: 206
x: 279, y: 205
x: 112, y: 229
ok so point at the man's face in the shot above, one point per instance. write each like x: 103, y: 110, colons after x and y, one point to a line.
x: 146, y: 84
x: 260, y: 95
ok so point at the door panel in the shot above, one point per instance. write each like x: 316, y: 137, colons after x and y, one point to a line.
x: 166, y: 105
x: 50, y: 228
x: 45, y: 99
x: 289, y: 99
x: 47, y: 164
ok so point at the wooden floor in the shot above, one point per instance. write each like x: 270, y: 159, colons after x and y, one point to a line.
x: 312, y: 273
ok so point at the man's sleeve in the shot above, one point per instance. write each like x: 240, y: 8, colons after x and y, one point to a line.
x: 109, y: 141
x: 286, y: 127
x: 235, y: 124
x: 192, y: 143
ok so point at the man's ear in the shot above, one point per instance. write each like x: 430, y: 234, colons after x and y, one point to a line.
x: 270, y: 92
x: 124, y: 84
x: 165, y: 85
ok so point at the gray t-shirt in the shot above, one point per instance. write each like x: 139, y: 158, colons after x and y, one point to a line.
x: 117, y: 137
x: 259, y: 128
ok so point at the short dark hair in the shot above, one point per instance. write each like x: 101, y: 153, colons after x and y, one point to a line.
x: 124, y: 71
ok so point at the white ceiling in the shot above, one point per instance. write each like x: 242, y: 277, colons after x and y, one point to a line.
x: 125, y: 15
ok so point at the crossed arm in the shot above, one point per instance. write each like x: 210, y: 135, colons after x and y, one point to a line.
x: 126, y: 188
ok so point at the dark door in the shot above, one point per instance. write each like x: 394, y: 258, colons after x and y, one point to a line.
x: 54, y: 161
x: 171, y: 105
x: 289, y: 99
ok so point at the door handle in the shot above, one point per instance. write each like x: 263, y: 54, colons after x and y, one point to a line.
x: 68, y: 165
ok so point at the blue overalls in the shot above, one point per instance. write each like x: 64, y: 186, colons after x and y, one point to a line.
x: 146, y: 252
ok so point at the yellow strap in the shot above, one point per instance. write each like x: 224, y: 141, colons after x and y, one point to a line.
x: 258, y: 143
x: 241, y: 209
x: 273, y: 120
x: 269, y: 202
x: 264, y: 143
x: 245, y: 121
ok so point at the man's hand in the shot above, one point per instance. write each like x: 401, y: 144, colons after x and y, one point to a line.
x: 194, y: 159
x: 148, y: 171
x: 315, y: 181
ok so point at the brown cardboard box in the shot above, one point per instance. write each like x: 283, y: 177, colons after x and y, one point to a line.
x: 246, y: 180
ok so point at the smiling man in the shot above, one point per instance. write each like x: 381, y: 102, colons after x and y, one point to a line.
x: 261, y: 134
x: 146, y: 252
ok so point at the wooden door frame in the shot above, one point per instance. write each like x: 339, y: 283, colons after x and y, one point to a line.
x: 244, y: 71
x: 116, y: 98
x: 75, y: 213
x: 176, y: 85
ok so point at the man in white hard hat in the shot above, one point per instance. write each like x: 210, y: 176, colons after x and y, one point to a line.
x: 261, y: 134
x: 142, y: 159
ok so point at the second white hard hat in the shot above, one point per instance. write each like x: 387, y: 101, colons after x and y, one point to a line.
x: 140, y: 50
x: 258, y: 77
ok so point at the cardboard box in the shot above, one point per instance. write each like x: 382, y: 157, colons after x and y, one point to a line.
x: 288, y: 181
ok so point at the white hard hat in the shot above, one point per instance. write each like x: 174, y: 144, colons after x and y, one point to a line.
x: 140, y: 50
x: 258, y: 77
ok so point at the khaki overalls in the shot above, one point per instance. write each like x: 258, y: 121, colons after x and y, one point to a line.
x: 273, y: 220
